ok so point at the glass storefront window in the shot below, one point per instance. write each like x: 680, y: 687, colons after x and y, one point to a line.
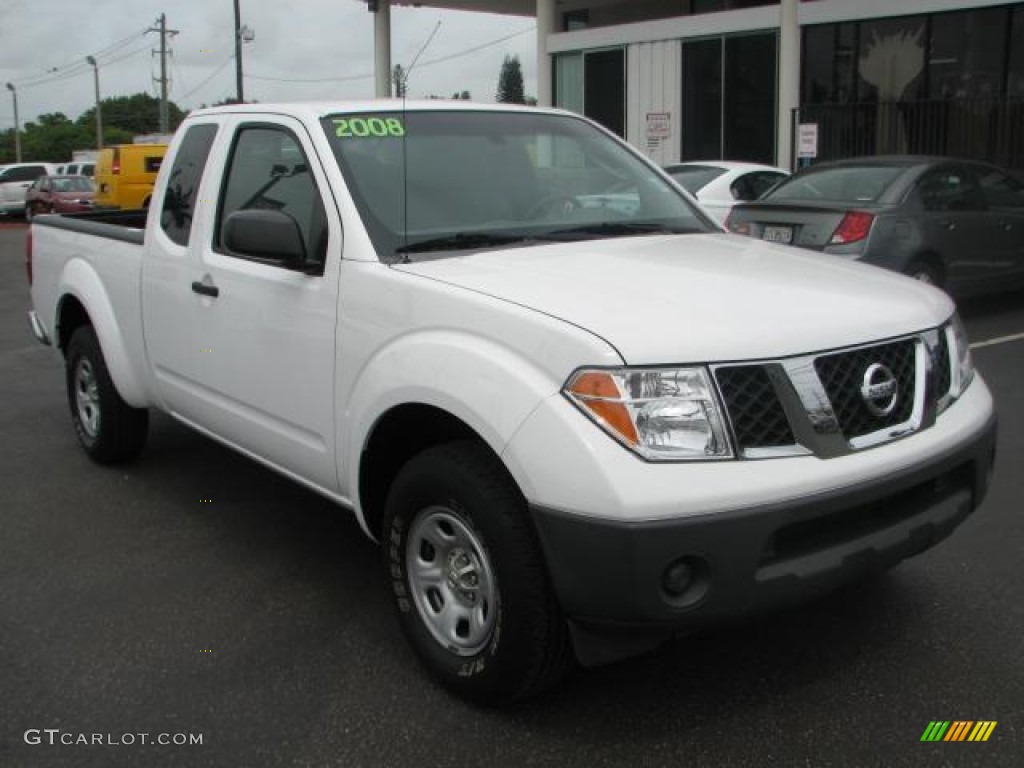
x: 702, y: 100
x: 966, y: 54
x: 729, y: 98
x: 817, y: 58
x: 594, y: 84
x: 569, y: 82
x: 1015, y: 74
x: 891, y: 60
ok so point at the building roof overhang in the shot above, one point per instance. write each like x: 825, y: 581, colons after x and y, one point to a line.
x: 510, y: 7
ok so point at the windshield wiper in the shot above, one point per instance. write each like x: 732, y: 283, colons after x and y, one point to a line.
x: 617, y: 229
x: 461, y: 241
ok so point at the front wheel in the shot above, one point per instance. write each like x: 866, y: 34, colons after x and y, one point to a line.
x: 109, y: 429
x: 468, y: 578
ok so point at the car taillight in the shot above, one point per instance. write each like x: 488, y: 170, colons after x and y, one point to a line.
x: 854, y: 226
x: 115, y: 162
x: 739, y: 227
x: 28, y: 256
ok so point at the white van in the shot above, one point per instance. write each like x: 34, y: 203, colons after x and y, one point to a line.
x: 76, y: 169
x: 15, y: 179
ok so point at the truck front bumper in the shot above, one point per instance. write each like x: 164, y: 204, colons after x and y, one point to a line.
x: 672, y: 573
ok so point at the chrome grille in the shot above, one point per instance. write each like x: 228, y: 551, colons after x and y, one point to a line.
x: 842, y: 375
x: 836, y: 402
x: 941, y: 368
x: 758, y: 420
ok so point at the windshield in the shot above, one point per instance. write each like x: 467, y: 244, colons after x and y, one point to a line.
x: 79, y: 184
x: 489, y: 179
x: 859, y: 184
x: 694, y: 177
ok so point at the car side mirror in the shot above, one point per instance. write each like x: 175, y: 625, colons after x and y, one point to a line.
x: 272, y: 237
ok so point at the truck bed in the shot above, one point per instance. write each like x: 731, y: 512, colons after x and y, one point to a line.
x: 128, y: 226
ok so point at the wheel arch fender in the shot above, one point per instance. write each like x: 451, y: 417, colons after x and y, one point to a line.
x: 486, y: 387
x: 79, y: 284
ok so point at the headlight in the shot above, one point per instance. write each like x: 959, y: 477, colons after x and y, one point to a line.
x: 661, y: 414
x: 960, y: 351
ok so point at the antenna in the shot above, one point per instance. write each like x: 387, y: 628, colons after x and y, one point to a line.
x: 405, y: 154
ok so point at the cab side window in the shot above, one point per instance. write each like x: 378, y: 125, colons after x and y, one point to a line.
x: 268, y: 170
x: 183, y: 182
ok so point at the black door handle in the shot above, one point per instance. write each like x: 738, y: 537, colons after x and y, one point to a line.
x: 205, y: 290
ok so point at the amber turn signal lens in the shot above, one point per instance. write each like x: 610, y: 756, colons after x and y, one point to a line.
x: 598, y: 393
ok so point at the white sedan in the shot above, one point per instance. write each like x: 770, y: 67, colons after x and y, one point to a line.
x: 720, y: 184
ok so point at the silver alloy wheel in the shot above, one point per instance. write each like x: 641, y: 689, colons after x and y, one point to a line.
x: 452, y: 581
x: 87, y: 398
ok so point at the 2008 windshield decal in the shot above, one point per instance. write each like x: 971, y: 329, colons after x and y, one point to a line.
x: 370, y: 127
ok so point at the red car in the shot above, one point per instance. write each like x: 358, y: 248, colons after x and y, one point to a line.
x: 59, y: 194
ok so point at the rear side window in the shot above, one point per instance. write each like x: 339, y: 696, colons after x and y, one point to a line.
x: 751, y: 186
x: 948, y: 189
x: 693, y: 178
x: 183, y: 182
x: 1001, y: 191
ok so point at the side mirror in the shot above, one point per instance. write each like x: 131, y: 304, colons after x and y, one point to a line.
x: 271, y: 237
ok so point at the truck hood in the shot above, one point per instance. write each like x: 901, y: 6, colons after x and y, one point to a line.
x: 700, y: 298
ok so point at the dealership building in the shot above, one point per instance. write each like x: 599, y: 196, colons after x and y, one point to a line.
x: 785, y: 82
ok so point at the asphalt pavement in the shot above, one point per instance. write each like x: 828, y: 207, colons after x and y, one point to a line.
x: 196, y: 593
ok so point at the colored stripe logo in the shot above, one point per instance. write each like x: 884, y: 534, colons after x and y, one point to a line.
x: 958, y: 730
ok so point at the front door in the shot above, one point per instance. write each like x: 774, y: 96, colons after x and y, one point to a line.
x: 265, y: 335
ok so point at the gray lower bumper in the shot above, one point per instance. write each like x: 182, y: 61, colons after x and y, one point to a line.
x: 611, y: 574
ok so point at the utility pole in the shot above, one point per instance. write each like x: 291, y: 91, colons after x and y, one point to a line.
x: 238, y: 53
x: 99, y: 108
x: 164, y: 32
x: 17, y: 125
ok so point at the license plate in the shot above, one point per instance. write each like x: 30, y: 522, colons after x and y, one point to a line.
x: 778, y: 234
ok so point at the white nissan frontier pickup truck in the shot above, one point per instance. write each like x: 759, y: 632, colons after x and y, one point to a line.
x: 576, y: 415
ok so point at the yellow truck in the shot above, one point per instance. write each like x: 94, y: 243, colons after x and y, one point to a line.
x: 125, y: 174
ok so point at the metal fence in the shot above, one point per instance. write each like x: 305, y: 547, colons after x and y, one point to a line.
x: 978, y: 129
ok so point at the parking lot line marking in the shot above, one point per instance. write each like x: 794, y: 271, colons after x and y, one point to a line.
x: 998, y: 340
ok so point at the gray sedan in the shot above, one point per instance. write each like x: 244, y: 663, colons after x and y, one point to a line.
x: 955, y: 223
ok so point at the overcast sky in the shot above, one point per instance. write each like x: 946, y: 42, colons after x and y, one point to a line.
x: 43, y: 46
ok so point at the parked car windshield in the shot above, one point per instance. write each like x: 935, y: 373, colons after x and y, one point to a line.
x: 72, y: 184
x: 693, y: 178
x: 849, y: 184
x: 488, y: 179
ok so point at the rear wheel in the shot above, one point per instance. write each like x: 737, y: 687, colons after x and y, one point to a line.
x: 109, y: 429
x: 468, y: 578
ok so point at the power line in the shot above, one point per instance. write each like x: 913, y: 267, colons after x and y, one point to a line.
x: 212, y: 75
x: 75, y: 66
x: 439, y: 60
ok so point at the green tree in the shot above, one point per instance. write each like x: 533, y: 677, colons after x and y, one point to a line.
x: 136, y: 114
x: 53, y: 138
x: 510, y: 82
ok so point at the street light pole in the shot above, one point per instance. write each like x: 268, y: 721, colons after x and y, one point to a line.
x: 17, y: 125
x: 99, y: 111
x: 238, y: 52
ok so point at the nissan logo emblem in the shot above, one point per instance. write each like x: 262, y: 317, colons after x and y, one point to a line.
x: 879, y: 390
